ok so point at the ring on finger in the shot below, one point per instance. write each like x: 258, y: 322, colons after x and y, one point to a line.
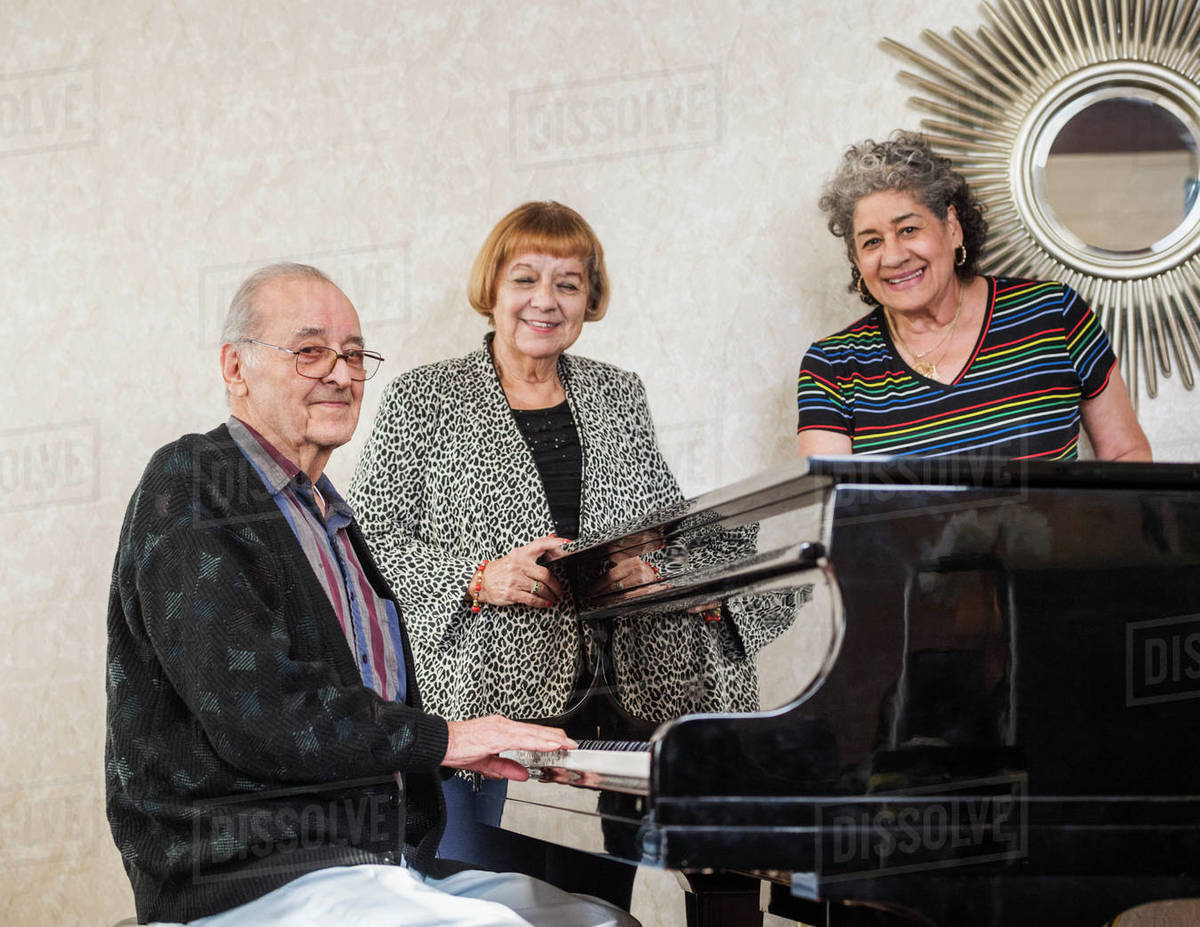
x: 620, y: 586
x: 537, y: 584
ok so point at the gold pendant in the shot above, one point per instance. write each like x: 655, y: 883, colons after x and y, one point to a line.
x: 926, y: 369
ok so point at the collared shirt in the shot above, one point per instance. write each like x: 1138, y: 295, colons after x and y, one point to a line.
x: 370, y: 623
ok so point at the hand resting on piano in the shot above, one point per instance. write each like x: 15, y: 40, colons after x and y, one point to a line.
x: 519, y: 578
x: 622, y: 766
x: 476, y: 745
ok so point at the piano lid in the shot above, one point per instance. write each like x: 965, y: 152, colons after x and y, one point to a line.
x: 740, y: 569
x: 804, y: 481
x: 998, y: 473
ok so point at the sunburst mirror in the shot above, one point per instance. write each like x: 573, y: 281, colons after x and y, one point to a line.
x: 1078, y: 125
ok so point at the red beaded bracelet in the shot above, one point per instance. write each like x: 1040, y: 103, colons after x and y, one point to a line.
x: 477, y: 585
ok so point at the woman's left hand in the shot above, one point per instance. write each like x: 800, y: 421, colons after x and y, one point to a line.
x: 518, y: 578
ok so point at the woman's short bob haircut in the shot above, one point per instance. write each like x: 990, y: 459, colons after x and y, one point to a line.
x: 904, y: 162
x: 542, y: 228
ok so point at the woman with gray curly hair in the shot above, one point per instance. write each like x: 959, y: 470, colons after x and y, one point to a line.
x: 949, y: 361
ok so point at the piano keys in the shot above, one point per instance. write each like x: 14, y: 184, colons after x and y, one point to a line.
x: 975, y: 690
x: 614, y: 765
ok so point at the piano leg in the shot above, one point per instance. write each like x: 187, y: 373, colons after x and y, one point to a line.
x: 721, y: 900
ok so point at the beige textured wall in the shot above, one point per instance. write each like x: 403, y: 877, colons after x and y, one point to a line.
x: 150, y: 153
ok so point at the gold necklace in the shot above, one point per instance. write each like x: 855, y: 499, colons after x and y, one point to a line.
x: 927, y: 369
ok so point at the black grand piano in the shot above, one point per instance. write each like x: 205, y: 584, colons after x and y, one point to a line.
x: 977, y: 695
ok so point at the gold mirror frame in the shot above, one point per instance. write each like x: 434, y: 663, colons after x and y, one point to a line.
x: 1000, y: 97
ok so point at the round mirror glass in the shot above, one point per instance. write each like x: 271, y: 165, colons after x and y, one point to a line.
x: 1122, y: 174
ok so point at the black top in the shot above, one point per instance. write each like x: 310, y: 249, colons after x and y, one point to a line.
x: 554, y: 441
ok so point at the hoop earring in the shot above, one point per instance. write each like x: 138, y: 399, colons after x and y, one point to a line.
x: 960, y: 255
x: 863, y: 293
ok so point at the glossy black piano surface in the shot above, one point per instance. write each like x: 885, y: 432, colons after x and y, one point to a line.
x: 978, y: 688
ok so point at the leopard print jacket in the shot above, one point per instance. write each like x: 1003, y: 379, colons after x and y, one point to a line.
x: 446, y: 480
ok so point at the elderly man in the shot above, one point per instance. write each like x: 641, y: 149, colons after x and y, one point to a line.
x: 267, y: 758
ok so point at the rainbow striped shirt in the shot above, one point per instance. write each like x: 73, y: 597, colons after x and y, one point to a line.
x: 1040, y: 352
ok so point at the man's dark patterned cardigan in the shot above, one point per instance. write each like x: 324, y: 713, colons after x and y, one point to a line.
x: 242, y: 748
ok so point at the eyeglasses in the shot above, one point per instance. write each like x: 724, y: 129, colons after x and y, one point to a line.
x: 316, y: 361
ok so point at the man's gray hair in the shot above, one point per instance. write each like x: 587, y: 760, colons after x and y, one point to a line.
x: 242, y: 319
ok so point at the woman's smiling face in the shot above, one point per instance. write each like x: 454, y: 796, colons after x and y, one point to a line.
x: 540, y: 305
x: 904, y: 252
